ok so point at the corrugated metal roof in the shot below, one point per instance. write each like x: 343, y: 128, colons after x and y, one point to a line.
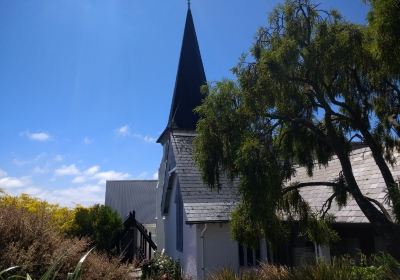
x: 138, y: 195
x: 200, y: 202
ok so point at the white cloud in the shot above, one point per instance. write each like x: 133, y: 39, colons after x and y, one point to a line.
x: 40, y: 170
x: 88, y: 188
x: 37, y: 136
x: 83, y: 195
x: 143, y: 175
x: 145, y: 138
x: 79, y: 180
x: 87, y: 141
x: 93, y: 174
x: 67, y: 170
x: 14, y: 182
x: 110, y: 175
x: 21, y: 162
x: 124, y: 130
x: 2, y: 173
x: 155, y: 175
x: 92, y: 170
x: 58, y: 158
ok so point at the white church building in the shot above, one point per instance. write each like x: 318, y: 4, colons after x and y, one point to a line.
x: 192, y: 221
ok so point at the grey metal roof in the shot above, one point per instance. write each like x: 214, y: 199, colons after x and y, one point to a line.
x: 368, y: 178
x: 201, y: 204
x: 138, y: 195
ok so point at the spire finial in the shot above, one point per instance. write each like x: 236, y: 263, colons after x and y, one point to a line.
x: 188, y: 1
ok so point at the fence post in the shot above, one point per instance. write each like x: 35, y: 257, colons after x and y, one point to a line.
x: 149, y: 245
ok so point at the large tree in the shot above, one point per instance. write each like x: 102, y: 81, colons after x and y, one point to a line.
x: 313, y: 85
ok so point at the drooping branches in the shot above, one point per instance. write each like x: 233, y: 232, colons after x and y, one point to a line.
x: 312, y: 88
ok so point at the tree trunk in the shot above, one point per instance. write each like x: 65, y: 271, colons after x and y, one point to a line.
x: 394, y: 192
x: 381, y: 224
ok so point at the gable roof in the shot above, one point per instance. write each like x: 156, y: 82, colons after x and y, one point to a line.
x: 189, y: 78
x: 201, y: 204
x: 133, y: 195
x: 367, y: 175
x: 204, y: 205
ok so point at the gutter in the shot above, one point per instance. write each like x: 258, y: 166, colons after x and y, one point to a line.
x: 202, y: 251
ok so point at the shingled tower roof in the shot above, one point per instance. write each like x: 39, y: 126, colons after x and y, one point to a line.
x: 189, y: 79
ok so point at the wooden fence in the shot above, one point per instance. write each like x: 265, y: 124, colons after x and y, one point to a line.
x: 135, y: 241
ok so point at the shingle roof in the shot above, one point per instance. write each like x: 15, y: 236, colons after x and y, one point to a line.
x: 368, y: 178
x: 200, y: 202
x: 137, y: 195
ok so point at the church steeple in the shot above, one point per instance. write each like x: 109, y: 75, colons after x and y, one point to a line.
x: 190, y: 77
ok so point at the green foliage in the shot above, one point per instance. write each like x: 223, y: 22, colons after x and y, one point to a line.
x: 32, y: 240
x: 161, y: 267
x: 376, y: 267
x: 76, y: 275
x: 62, y: 217
x: 384, y: 20
x: 224, y: 274
x: 52, y: 272
x: 310, y: 87
x: 100, y: 223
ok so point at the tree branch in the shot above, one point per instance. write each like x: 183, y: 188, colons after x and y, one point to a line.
x: 306, y: 123
x: 327, y: 204
x: 356, y: 135
x: 296, y: 186
x: 380, y: 206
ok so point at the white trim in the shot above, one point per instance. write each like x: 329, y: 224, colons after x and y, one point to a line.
x: 172, y: 170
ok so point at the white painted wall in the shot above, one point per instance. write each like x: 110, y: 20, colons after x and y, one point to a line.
x: 170, y: 225
x: 219, y: 249
x: 160, y: 240
x: 189, y: 255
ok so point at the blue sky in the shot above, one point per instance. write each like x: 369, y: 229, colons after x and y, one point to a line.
x: 86, y: 85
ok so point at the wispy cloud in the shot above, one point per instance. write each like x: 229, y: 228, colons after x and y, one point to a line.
x: 40, y: 169
x: 110, y: 175
x: 144, y: 138
x: 21, y: 162
x: 39, y: 136
x: 88, y: 188
x: 58, y: 158
x: 2, y: 173
x: 123, y: 131
x: 85, y: 195
x: 155, y: 175
x: 87, y: 141
x: 92, y: 170
x: 67, y: 170
x: 14, y: 182
x: 93, y: 174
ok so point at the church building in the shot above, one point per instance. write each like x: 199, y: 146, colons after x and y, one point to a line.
x: 192, y: 221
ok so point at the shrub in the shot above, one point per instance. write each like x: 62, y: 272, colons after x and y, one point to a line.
x: 161, y: 267
x: 273, y: 272
x: 100, y: 223
x: 31, y: 240
x: 62, y: 217
x: 377, y: 267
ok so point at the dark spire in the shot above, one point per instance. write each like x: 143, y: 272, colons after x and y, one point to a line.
x: 189, y: 79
